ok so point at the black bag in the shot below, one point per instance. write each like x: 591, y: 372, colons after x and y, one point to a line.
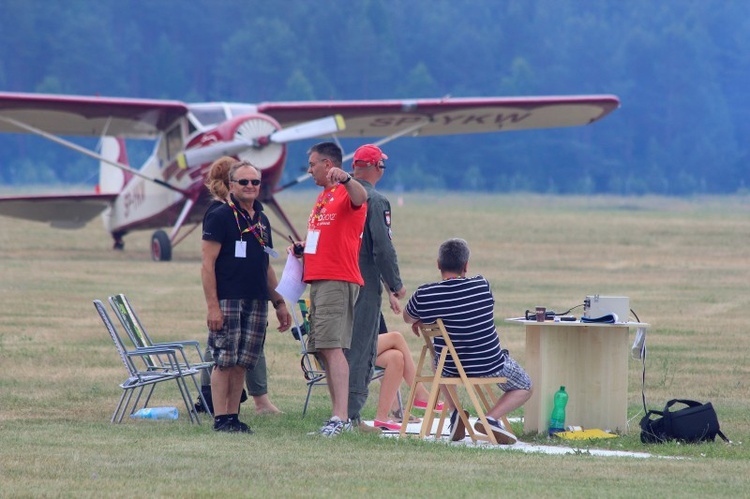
x: 206, y: 390
x: 695, y: 423
x: 652, y: 430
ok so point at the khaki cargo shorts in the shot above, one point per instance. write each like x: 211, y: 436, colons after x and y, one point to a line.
x: 331, y: 314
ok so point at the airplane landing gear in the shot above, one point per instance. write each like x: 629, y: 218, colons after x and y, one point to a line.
x: 161, y: 247
x: 119, y: 244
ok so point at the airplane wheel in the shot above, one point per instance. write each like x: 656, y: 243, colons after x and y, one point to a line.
x: 161, y: 247
x: 119, y: 244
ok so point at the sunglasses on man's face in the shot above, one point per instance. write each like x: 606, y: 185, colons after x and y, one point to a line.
x: 244, y: 181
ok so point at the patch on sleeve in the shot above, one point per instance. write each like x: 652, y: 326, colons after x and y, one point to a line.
x: 387, y: 217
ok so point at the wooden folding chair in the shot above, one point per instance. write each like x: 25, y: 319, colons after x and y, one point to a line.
x: 479, y: 389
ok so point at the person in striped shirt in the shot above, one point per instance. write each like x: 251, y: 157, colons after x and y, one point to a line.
x: 466, y: 306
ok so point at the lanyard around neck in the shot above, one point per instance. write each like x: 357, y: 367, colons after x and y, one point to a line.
x: 252, y: 228
x: 323, y: 200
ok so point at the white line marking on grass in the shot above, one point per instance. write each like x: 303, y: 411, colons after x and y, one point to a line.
x: 414, y: 429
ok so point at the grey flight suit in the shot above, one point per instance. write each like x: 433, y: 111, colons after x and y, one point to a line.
x: 377, y: 263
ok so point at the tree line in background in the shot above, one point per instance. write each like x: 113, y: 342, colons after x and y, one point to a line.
x: 680, y: 68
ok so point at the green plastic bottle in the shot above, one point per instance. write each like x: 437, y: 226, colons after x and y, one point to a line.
x: 557, y: 420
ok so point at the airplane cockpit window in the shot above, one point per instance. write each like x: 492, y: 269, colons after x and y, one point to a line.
x: 208, y: 115
x: 241, y: 110
x: 174, y: 142
x: 171, y: 144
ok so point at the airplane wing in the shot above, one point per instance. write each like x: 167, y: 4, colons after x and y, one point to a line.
x: 88, y: 116
x: 447, y: 116
x: 65, y: 211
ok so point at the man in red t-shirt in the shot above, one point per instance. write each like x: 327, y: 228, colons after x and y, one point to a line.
x: 334, y: 235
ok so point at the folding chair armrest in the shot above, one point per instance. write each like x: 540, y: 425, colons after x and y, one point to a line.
x: 192, y: 343
x: 180, y: 345
x: 147, y: 352
x: 152, y: 350
x: 177, y: 347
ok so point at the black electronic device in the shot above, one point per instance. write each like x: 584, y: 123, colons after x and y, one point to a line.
x: 549, y: 315
x: 299, y: 332
x: 298, y: 249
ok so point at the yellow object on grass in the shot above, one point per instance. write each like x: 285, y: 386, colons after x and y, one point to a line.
x: 584, y: 434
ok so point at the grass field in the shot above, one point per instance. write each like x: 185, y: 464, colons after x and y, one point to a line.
x: 684, y: 263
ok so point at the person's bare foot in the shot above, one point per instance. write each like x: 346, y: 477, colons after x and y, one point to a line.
x: 264, y: 406
x: 365, y: 428
x: 266, y: 411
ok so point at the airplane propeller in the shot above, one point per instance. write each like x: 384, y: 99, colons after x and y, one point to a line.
x: 307, y: 130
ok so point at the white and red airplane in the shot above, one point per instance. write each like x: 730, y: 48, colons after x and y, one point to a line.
x: 168, y: 190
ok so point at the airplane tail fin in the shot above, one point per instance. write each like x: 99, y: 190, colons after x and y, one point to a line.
x: 111, y: 178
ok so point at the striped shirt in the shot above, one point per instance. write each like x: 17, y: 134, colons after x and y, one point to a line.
x: 466, y: 306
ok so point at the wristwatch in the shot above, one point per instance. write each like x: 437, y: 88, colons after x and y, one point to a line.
x: 348, y: 178
x: 276, y: 304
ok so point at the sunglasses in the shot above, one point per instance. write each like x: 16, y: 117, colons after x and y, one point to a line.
x: 243, y: 182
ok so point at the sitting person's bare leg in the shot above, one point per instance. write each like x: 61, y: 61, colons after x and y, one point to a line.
x: 509, y: 402
x: 393, y: 363
x: 395, y: 340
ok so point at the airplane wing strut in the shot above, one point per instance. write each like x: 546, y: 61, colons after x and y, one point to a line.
x: 87, y: 152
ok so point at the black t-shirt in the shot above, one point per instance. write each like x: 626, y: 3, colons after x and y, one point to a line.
x: 239, y: 278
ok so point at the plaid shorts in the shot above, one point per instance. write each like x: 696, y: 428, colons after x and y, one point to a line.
x: 517, y: 377
x: 512, y: 371
x: 240, y: 341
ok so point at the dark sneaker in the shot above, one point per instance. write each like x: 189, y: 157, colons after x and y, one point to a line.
x: 456, y: 427
x: 502, y: 435
x: 233, y: 426
x: 241, y: 427
x: 223, y: 426
x: 335, y: 427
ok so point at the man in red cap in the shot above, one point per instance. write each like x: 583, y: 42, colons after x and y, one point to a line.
x: 377, y: 263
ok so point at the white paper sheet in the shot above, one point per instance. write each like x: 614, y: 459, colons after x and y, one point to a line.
x: 291, y: 286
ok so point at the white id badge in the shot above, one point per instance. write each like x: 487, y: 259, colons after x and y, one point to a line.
x: 311, y: 243
x: 240, y: 249
x: 271, y: 252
